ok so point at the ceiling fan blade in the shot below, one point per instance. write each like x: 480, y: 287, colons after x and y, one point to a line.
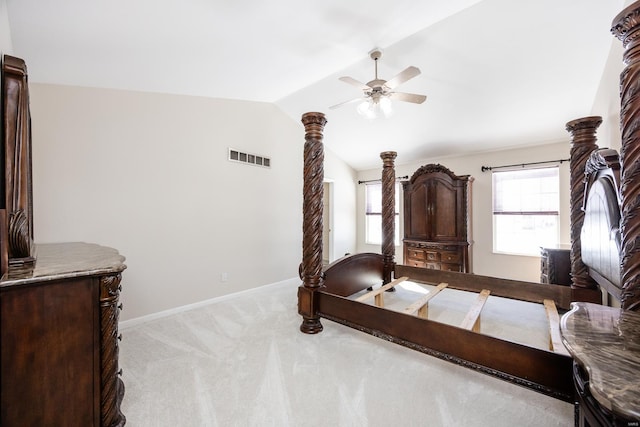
x: 333, y: 107
x: 408, y: 97
x: 402, y: 76
x: 355, y: 83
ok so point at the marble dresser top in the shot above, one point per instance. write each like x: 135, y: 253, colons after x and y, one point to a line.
x: 66, y: 260
x: 605, y: 341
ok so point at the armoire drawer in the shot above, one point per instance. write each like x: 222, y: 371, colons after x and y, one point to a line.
x: 414, y: 263
x: 416, y: 254
x: 433, y: 256
x: 450, y: 267
x: 451, y: 257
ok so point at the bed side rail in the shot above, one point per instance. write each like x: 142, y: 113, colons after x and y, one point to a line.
x: 507, y: 288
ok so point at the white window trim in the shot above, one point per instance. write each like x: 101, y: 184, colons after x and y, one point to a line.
x: 368, y: 214
x: 526, y: 211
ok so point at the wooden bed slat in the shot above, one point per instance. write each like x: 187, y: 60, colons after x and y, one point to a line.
x: 422, y: 305
x: 378, y: 293
x: 555, y: 341
x: 472, y: 321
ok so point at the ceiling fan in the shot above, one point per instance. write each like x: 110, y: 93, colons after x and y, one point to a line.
x: 378, y: 93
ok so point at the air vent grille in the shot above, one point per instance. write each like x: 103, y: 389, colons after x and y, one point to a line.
x: 248, y: 158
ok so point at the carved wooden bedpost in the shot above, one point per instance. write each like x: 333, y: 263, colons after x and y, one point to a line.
x: 583, y: 143
x: 311, y: 272
x: 626, y: 27
x: 388, y: 213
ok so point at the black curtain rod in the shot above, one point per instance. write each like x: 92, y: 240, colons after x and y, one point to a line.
x: 488, y: 168
x: 400, y: 178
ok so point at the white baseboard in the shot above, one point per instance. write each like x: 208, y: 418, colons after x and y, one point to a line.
x: 143, y: 319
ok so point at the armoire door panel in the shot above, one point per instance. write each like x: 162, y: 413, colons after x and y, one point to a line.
x: 445, y: 212
x: 417, y: 210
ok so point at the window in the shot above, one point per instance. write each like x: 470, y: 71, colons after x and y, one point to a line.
x: 525, y: 210
x: 373, y: 214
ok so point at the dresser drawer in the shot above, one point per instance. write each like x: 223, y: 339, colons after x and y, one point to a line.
x: 414, y: 263
x: 450, y: 267
x: 433, y: 256
x: 416, y: 254
x: 451, y: 257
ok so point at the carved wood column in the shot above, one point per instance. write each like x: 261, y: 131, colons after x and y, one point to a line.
x: 111, y: 386
x: 626, y: 27
x: 311, y: 272
x: 388, y: 213
x: 583, y: 143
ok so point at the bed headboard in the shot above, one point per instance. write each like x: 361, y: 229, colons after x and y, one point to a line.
x: 600, y: 236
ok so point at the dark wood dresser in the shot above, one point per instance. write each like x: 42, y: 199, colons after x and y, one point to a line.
x: 555, y: 265
x: 58, y: 302
x: 605, y: 345
x: 437, y: 230
x: 59, y: 339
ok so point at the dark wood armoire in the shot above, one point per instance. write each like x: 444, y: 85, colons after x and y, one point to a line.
x: 437, y: 225
x: 59, y: 302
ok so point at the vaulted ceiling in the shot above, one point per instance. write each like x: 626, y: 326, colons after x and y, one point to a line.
x: 497, y: 73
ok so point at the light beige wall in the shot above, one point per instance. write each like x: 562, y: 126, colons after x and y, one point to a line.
x: 607, y: 102
x: 6, y: 45
x: 485, y: 262
x: 342, y: 179
x: 148, y: 174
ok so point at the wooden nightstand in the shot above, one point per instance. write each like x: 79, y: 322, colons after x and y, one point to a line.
x: 555, y: 265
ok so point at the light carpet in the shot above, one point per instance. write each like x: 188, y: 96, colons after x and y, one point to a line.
x: 241, y: 361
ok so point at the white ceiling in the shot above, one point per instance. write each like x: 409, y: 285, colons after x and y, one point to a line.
x: 497, y: 73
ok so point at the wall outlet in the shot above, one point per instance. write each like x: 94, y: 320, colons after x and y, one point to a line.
x: 224, y: 277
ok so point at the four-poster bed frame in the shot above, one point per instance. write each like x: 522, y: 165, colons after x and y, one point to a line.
x: 325, y: 294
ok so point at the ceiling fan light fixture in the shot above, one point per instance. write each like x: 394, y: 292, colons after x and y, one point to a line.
x: 385, y: 106
x: 373, y: 108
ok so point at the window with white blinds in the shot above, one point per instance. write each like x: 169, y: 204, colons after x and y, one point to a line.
x: 373, y: 214
x: 525, y: 210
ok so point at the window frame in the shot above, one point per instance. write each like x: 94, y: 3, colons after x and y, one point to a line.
x: 368, y: 213
x: 548, y: 203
